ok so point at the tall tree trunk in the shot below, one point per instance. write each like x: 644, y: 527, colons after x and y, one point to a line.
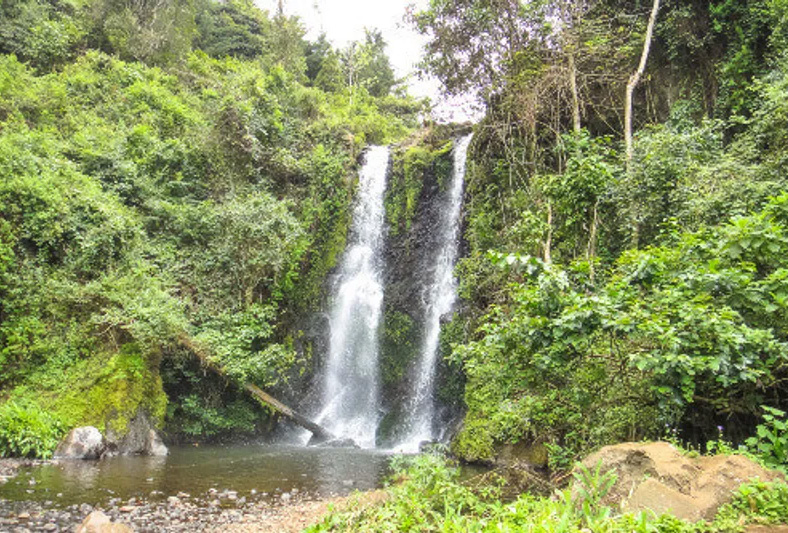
x: 549, y: 240
x: 575, y: 96
x: 635, y: 79
x: 591, y: 250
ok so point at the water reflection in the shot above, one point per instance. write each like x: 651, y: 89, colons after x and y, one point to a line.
x: 196, y: 470
x: 350, y: 469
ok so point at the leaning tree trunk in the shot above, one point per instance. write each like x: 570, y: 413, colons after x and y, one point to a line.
x: 319, y: 433
x: 635, y: 79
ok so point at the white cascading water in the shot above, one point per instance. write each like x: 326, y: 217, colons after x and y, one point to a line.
x: 350, y: 389
x: 440, y: 298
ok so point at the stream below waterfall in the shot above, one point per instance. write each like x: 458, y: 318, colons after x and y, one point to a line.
x: 268, y: 470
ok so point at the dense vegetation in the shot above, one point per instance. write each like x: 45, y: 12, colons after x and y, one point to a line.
x: 614, y: 295
x: 178, y: 175
x: 427, y: 495
x: 167, y: 173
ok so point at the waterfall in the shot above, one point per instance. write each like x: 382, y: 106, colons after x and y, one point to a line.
x: 351, y: 383
x: 441, y: 294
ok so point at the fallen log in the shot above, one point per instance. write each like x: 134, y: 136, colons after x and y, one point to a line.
x: 319, y: 433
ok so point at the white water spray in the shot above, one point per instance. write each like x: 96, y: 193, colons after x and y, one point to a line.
x: 440, y: 298
x: 351, y: 386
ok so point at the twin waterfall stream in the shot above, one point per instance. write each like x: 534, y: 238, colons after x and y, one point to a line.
x: 351, y: 379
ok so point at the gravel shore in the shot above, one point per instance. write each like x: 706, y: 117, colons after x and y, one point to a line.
x: 215, y: 511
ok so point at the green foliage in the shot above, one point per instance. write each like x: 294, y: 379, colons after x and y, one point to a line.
x: 410, y: 170
x: 398, y: 346
x: 232, y: 29
x: 241, y: 344
x: 756, y: 502
x: 196, y: 419
x: 44, y: 33
x: 770, y: 442
x: 28, y: 431
x: 370, y: 65
x: 691, y: 326
x: 427, y: 495
x: 207, y: 196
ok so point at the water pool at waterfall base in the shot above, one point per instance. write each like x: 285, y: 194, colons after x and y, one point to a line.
x: 251, y: 471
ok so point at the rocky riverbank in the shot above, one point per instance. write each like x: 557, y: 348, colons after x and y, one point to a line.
x: 212, y: 512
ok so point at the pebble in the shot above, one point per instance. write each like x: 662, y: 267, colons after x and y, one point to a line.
x: 173, y: 501
x: 23, y: 516
x: 127, y: 508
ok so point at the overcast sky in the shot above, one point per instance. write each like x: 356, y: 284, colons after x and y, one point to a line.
x: 343, y: 21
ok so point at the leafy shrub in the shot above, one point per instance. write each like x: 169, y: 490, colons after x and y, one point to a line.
x: 697, y: 327
x: 428, y: 495
x: 756, y: 502
x: 771, y: 440
x: 28, y: 431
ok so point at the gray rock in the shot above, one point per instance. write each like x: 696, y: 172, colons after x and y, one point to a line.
x: 140, y: 439
x: 155, y: 446
x: 81, y: 443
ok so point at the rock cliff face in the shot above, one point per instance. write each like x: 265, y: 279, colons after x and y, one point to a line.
x: 421, y: 170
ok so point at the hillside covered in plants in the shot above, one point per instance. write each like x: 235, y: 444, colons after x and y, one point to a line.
x: 617, y: 286
x: 170, y: 171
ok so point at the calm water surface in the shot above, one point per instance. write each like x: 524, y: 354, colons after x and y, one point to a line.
x: 266, y: 469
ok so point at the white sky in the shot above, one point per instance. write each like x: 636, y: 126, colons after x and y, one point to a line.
x: 344, y: 21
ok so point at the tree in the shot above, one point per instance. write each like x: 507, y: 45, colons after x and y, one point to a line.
x: 234, y: 28
x: 287, y: 44
x: 374, y: 68
x: 474, y: 43
x: 316, y: 53
x: 330, y: 77
x: 635, y: 79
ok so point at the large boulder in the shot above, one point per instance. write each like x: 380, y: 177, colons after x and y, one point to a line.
x: 81, y: 443
x: 141, y: 438
x: 98, y: 522
x: 656, y: 476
